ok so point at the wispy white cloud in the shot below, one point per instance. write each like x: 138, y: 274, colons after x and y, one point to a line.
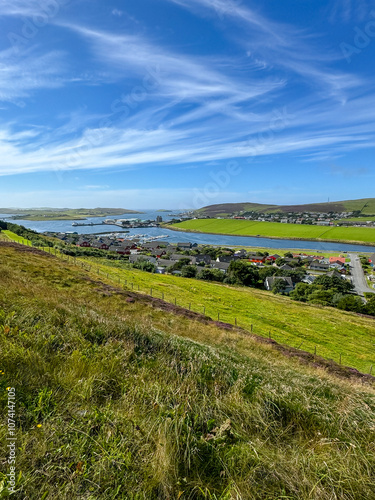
x: 281, y: 46
x: 117, y: 12
x: 31, y: 8
x: 20, y: 76
x: 349, y: 11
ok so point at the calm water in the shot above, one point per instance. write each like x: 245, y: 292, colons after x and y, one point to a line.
x: 174, y: 236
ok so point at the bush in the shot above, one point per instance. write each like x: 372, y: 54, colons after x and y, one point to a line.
x: 210, y: 275
x: 351, y: 303
x: 189, y: 271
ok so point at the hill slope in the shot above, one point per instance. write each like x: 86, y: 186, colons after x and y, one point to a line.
x: 117, y: 399
x: 365, y: 206
x: 240, y: 227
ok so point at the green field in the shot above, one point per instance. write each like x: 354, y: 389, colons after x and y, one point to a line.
x: 278, y: 230
x: 9, y: 235
x: 115, y: 399
x: 331, y: 331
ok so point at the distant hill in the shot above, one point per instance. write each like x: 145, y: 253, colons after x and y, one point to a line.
x: 364, y: 206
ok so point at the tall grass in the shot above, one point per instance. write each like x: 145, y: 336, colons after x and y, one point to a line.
x: 112, y: 407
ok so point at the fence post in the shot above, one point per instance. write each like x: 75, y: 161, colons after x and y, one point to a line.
x: 218, y: 316
x: 235, y: 321
x: 162, y: 295
x: 251, y: 328
x: 151, y: 292
x: 340, y: 358
x: 175, y: 301
x: 315, y: 351
x: 371, y: 370
x: 189, y: 306
x: 204, y: 310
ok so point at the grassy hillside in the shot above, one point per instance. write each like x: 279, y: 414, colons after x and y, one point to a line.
x: 118, y: 399
x: 364, y: 206
x: 331, y: 331
x: 278, y: 230
x: 223, y: 209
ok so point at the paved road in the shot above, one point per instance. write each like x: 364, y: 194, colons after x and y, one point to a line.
x: 358, y: 276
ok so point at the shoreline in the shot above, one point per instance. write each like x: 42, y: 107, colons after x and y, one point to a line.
x: 346, y: 242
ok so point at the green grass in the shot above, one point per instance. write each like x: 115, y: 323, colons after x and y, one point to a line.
x: 278, y: 230
x: 9, y: 235
x: 358, y: 219
x: 116, y: 399
x: 331, y: 331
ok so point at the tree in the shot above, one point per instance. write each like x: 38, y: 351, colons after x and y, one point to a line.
x: 288, y: 255
x: 264, y: 272
x: 179, y: 264
x: 279, y: 286
x: 188, y: 271
x: 145, y: 265
x: 321, y: 296
x: 301, y: 292
x: 339, y: 284
x: 280, y: 261
x: 369, y: 308
x: 296, y: 274
x: 243, y: 273
x: 210, y: 275
x: 351, y: 303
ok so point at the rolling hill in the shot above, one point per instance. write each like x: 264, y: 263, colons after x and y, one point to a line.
x: 365, y: 206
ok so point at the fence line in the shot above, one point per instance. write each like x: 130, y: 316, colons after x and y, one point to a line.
x: 88, y: 267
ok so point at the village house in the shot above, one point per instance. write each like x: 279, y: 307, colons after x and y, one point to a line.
x: 337, y: 260
x: 258, y: 259
x: 309, y: 279
x: 317, y: 265
x: 270, y: 281
x: 222, y: 266
x: 136, y: 258
x: 184, y: 245
x: 272, y: 258
x: 177, y: 256
x: 165, y: 262
x: 83, y: 243
x: 199, y: 259
x: 226, y: 258
x: 100, y: 245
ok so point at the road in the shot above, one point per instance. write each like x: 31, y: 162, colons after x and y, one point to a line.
x: 359, y: 280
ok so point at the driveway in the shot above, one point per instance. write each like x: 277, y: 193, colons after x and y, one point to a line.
x: 358, y: 276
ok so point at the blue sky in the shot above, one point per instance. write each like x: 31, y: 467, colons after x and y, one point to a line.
x: 185, y: 103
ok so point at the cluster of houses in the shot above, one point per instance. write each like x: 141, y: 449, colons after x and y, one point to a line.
x: 164, y: 255
x: 313, y: 218
x: 315, y: 265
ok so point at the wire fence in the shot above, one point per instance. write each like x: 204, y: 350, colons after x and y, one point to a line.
x: 218, y: 316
